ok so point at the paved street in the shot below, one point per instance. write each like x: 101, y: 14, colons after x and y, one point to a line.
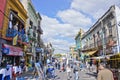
x: 83, y: 75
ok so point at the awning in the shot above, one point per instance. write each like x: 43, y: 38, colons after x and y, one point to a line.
x: 29, y: 54
x: 106, y: 56
x: 91, y: 52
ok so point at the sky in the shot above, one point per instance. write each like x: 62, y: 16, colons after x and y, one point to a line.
x: 62, y: 19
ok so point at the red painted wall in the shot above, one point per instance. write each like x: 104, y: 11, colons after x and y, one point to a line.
x: 2, y: 9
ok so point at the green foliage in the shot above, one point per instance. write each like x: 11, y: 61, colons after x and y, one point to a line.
x: 57, y: 55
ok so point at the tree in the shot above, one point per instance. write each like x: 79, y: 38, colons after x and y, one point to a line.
x: 57, y: 55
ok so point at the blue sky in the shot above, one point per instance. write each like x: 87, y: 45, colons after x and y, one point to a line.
x: 62, y: 19
x: 51, y: 7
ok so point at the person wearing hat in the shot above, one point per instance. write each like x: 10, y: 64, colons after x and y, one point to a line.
x: 104, y: 73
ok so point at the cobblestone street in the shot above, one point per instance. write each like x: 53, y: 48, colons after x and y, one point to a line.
x: 83, y: 75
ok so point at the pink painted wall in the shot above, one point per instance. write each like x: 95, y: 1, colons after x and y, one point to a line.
x: 2, y: 9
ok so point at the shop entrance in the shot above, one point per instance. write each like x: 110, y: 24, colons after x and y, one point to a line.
x: 11, y: 60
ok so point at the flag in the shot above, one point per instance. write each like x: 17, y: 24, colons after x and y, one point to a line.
x: 15, y: 40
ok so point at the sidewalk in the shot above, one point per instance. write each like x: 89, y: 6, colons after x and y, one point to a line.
x: 83, y: 75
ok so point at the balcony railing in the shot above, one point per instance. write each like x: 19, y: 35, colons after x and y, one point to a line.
x: 22, y: 37
x: 99, y: 43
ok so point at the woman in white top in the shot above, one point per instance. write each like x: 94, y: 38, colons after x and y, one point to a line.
x: 7, y: 73
x: 15, y: 72
x: 2, y: 72
x: 68, y: 69
x: 20, y: 70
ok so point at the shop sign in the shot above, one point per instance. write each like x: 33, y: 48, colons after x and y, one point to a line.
x: 11, y: 50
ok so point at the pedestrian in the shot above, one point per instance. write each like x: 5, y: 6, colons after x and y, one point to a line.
x: 104, y: 73
x: 58, y: 65
x: 91, y: 65
x: 68, y: 69
x: 2, y: 73
x: 7, y: 73
x: 15, y: 71
x: 19, y: 70
x: 50, y: 71
x: 75, y: 71
x: 22, y: 67
x: 63, y: 67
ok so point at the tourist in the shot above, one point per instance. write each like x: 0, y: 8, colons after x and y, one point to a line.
x: 104, y: 73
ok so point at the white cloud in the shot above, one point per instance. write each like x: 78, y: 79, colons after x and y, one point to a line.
x: 54, y: 30
x: 61, y: 45
x: 74, y: 17
x: 80, y: 15
x: 93, y: 7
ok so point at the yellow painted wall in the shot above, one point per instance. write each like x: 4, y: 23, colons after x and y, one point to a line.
x: 17, y: 6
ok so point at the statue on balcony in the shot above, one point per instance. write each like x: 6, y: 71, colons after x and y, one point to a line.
x: 21, y: 32
x: 16, y: 26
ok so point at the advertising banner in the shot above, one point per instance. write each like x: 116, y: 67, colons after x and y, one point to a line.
x: 11, y: 50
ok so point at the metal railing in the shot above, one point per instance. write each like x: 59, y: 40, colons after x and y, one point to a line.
x: 99, y: 43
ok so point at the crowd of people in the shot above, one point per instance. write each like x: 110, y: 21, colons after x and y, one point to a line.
x: 11, y: 72
x: 48, y: 70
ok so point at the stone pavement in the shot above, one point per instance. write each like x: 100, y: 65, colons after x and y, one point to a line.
x: 83, y: 75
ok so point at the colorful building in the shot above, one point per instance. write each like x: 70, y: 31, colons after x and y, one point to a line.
x: 13, y: 32
x: 78, y: 43
x: 74, y: 54
x: 102, y: 40
x: 2, y: 11
x: 34, y: 31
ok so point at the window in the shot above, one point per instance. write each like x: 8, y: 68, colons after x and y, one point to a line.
x: 109, y: 25
x: 31, y: 23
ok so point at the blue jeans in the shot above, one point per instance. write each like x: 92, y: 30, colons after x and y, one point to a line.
x: 7, y: 77
x: 1, y: 77
x: 76, y: 75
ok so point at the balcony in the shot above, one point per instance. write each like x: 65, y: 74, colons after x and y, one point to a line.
x: 108, y: 41
x: 11, y: 33
x: 22, y: 37
x: 111, y: 50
